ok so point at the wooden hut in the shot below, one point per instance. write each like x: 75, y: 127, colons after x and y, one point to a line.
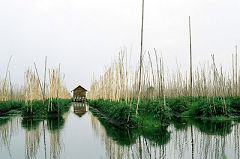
x: 79, y: 94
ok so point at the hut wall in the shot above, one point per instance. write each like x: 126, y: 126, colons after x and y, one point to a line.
x: 79, y: 93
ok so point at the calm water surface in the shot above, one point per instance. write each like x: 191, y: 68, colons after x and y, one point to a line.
x: 79, y: 134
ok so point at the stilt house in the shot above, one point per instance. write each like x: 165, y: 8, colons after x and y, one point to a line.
x: 79, y: 94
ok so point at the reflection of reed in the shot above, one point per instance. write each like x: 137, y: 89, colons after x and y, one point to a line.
x: 5, y: 131
x: 236, y: 140
x: 205, y: 145
x: 181, y: 139
x: 55, y: 126
x: 100, y: 132
x: 209, y: 143
x: 95, y: 125
x: 8, y: 127
x: 32, y: 141
x: 142, y: 149
x: 55, y: 144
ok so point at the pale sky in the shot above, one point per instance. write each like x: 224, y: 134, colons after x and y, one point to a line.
x: 85, y: 36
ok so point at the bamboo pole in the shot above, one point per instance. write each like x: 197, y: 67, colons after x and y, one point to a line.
x: 233, y: 76
x: 141, y: 60
x: 191, y: 79
x: 158, y: 73
x: 44, y: 82
x: 11, y: 86
x: 236, y: 70
x: 5, y: 79
x: 39, y: 82
x: 161, y: 76
x: 150, y: 60
x: 58, y: 85
x: 190, y: 51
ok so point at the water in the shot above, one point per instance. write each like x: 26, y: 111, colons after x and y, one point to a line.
x: 79, y: 134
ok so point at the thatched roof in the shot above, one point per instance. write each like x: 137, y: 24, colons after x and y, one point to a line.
x: 80, y: 87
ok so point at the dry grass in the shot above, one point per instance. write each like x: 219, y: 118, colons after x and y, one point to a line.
x: 51, y: 87
x: 207, y: 80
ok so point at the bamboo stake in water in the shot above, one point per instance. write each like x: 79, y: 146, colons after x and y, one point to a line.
x: 236, y: 69
x: 39, y: 82
x: 58, y: 85
x: 191, y: 80
x: 233, y: 76
x: 141, y: 60
x: 150, y: 60
x: 44, y: 82
x: 161, y: 76
x: 5, y: 80
x: 11, y: 87
x: 158, y: 73
x: 190, y: 50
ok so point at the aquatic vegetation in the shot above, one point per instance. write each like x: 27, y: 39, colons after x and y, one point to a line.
x: 235, y: 105
x: 177, y: 105
x: 212, y: 107
x: 205, y: 92
x: 163, y: 110
x: 36, y: 108
x: 116, y: 112
x: 35, y: 98
x: 156, y: 108
x: 148, y: 127
x: 6, y: 106
x: 40, y: 109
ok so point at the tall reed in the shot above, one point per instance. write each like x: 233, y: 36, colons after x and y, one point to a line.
x: 119, y: 81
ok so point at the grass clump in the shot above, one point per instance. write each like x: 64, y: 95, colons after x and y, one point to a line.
x: 123, y: 113
x: 155, y: 108
x: 44, y: 109
x: 36, y: 108
x: 117, y: 112
x: 177, y: 105
x: 235, y: 105
x: 7, y: 106
x: 164, y: 110
x: 147, y: 126
x: 203, y: 107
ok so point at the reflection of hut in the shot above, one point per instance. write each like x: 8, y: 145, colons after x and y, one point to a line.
x: 79, y: 94
x: 80, y: 110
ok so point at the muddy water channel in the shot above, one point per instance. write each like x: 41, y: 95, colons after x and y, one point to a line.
x: 79, y: 134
